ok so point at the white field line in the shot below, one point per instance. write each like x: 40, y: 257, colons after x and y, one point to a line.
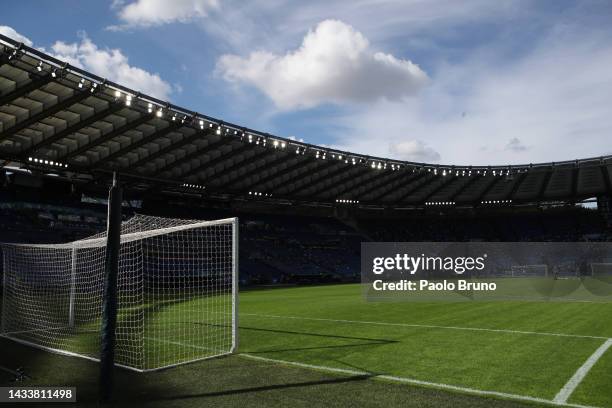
x: 579, y: 375
x: 427, y: 326
x: 446, y: 387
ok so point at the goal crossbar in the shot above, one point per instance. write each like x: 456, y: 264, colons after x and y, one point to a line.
x: 129, y: 237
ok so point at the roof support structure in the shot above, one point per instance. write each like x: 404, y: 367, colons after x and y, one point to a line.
x: 234, y: 175
x: 451, y: 178
x: 265, y: 167
x: 198, y: 152
x: 108, y: 136
x: 471, y: 181
x: 164, y: 150
x: 547, y: 177
x: 317, y: 176
x: 367, y: 175
x: 479, y: 197
x: 348, y: 175
x: 574, y: 190
x: 321, y: 178
x: 411, y: 190
x: 71, y: 100
x: 275, y: 176
x: 210, y: 163
x: 23, y: 90
x: 112, y: 108
x: 147, y: 139
x: 382, y: 179
x: 390, y: 189
x: 606, y: 178
x: 516, y: 185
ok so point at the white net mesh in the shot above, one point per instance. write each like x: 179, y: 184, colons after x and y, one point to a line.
x: 176, y: 292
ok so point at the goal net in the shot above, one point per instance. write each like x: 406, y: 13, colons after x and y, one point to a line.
x: 529, y: 270
x: 176, y: 288
x: 602, y: 271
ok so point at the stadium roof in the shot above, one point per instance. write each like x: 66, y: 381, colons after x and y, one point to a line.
x: 59, y: 119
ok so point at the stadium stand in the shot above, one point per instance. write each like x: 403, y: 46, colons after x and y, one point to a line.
x: 58, y: 119
x: 303, y: 209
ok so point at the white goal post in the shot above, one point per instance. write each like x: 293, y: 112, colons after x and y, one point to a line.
x: 536, y: 270
x: 177, y: 291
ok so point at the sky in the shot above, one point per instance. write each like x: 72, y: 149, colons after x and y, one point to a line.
x: 470, y: 82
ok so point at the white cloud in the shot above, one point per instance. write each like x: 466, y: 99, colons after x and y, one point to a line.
x: 145, y: 13
x: 111, y: 64
x: 334, y: 64
x: 107, y: 63
x: 10, y: 32
x: 414, y: 150
x: 515, y: 145
x: 551, y: 102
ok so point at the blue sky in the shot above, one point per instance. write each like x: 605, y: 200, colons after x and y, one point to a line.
x: 471, y: 82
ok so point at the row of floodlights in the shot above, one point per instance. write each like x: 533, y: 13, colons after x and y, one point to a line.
x: 195, y: 186
x: 383, y: 166
x: 46, y: 162
x: 468, y: 172
x: 440, y: 203
x: 260, y: 194
x: 159, y: 111
x: 320, y: 154
x: 496, y: 202
x: 54, y: 73
x: 259, y: 140
x: 344, y: 201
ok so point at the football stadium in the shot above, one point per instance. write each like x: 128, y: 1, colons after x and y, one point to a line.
x: 226, y: 266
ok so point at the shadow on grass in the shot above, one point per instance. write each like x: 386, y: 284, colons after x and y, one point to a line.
x: 266, y: 388
x: 368, y: 341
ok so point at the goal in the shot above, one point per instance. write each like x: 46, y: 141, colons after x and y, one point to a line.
x: 539, y: 270
x: 602, y: 270
x: 177, y: 293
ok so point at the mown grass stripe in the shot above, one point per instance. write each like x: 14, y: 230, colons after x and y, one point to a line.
x: 412, y: 381
x: 427, y: 326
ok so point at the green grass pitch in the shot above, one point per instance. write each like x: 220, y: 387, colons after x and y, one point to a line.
x: 528, y: 349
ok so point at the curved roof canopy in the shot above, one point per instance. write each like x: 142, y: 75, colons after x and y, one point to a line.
x: 60, y: 119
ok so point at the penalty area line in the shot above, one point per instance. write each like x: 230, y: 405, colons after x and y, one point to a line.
x: 427, y: 326
x: 412, y: 381
x: 581, y: 373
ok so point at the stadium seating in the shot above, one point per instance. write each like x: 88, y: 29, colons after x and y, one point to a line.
x: 282, y: 249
